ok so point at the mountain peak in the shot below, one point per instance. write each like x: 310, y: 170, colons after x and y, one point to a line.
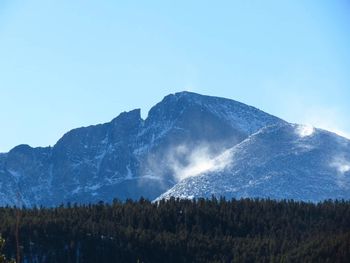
x: 185, y: 135
x: 189, y: 96
x: 21, y: 148
x: 245, y: 118
x: 128, y: 116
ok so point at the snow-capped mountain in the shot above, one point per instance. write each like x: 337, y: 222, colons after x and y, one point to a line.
x: 127, y: 157
x: 280, y: 162
x: 190, y: 145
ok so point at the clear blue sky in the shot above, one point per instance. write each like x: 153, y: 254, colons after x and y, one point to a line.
x: 71, y: 63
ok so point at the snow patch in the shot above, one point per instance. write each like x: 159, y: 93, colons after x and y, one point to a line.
x: 94, y: 187
x: 16, y: 175
x: 151, y: 177
x: 77, y: 190
x: 129, y: 174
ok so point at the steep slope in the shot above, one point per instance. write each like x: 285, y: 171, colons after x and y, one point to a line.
x: 128, y: 157
x: 280, y: 162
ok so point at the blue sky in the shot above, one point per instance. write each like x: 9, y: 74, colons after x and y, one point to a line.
x: 66, y: 64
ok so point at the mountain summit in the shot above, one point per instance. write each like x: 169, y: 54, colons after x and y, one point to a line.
x: 190, y: 145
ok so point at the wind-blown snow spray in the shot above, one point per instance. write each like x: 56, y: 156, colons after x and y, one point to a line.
x: 187, y: 162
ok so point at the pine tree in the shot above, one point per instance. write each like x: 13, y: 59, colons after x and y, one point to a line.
x: 3, y: 259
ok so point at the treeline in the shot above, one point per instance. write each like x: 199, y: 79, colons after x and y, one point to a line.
x: 215, y: 230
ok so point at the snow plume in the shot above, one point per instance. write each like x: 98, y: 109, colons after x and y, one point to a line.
x: 185, y: 161
x: 341, y: 164
x: 305, y: 130
x: 328, y: 119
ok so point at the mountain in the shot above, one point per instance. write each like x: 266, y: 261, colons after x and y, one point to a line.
x: 284, y: 161
x: 130, y: 157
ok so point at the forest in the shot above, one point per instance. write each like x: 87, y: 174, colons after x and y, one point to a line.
x: 177, y: 230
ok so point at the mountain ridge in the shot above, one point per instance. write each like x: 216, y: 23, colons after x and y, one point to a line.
x: 310, y: 152
x: 184, y: 135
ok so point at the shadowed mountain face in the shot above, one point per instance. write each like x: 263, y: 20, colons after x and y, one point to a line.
x: 190, y: 145
x: 128, y: 157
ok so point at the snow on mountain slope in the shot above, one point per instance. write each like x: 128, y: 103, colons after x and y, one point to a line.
x: 242, y: 117
x: 284, y: 161
x: 130, y: 157
x: 190, y: 145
